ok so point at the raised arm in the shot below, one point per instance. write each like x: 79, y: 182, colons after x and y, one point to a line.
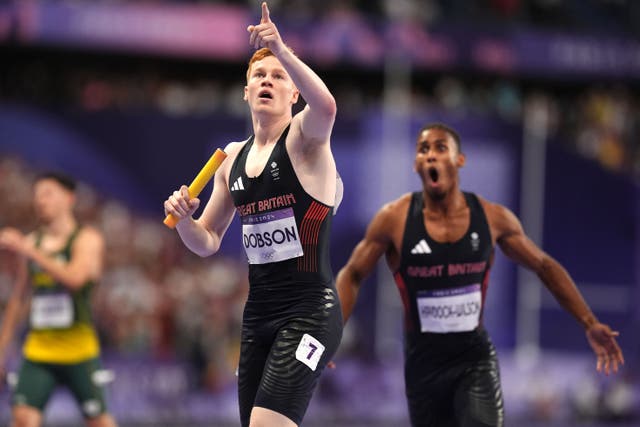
x: 203, y: 236
x: 376, y: 242
x: 317, y: 118
x: 517, y: 246
x: 86, y: 261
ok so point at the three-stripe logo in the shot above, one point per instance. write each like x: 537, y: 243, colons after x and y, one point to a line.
x: 421, y: 248
x: 237, y: 185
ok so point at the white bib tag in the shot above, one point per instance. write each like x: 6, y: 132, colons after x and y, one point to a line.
x: 271, y: 237
x: 309, y: 351
x: 450, y: 310
x: 51, y: 311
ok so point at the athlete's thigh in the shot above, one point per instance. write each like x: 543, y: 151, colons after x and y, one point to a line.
x: 104, y: 420
x: 81, y: 380
x: 478, y: 397
x: 253, y: 356
x: 266, y: 417
x: 36, y: 382
x: 301, y: 350
x: 431, y: 405
x: 25, y: 416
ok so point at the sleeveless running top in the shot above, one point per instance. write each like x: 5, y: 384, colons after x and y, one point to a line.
x: 285, y: 231
x: 451, y: 367
x: 61, y: 329
x: 443, y: 285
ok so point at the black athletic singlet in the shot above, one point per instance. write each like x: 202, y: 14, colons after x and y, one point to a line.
x: 451, y: 371
x: 292, y: 323
x: 285, y: 231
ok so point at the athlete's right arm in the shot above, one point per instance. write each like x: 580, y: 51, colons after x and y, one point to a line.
x: 12, y: 311
x: 203, y: 236
x: 363, y: 260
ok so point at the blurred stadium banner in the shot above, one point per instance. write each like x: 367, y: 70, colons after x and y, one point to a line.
x: 176, y: 30
x: 217, y: 31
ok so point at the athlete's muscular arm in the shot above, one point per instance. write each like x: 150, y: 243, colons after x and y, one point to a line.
x: 515, y: 244
x: 376, y: 242
x: 12, y: 311
x: 316, y: 119
x: 203, y: 236
x: 86, y: 256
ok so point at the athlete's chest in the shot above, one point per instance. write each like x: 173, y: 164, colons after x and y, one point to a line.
x: 437, y: 250
x: 444, y: 279
x: 51, y: 244
x: 257, y: 158
x: 447, y: 229
x: 263, y: 184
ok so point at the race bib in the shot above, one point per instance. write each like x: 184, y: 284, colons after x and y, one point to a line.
x: 51, y: 311
x: 309, y: 351
x: 450, y: 310
x: 271, y: 237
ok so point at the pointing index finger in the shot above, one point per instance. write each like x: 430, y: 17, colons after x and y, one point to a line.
x: 265, y: 13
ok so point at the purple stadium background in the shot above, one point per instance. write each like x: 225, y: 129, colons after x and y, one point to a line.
x: 590, y: 216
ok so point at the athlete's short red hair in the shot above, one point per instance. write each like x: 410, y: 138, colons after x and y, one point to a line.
x: 259, y: 55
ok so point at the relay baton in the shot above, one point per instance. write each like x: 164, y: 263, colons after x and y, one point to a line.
x: 205, y: 174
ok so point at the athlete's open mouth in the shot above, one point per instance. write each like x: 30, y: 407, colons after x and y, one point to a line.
x: 433, y: 174
x: 265, y: 94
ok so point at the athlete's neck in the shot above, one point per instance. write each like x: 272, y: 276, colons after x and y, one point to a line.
x: 449, y: 203
x: 268, y: 131
x: 60, y: 226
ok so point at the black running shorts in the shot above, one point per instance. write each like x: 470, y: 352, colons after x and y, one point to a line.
x: 283, y: 354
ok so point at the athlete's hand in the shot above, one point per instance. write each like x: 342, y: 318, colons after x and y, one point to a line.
x: 603, y: 342
x: 265, y: 34
x: 13, y: 240
x: 180, y: 205
x: 331, y: 364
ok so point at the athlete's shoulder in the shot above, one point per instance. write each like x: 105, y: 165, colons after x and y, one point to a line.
x: 396, y: 208
x: 492, y: 209
x: 501, y: 219
x: 389, y: 220
x: 401, y: 201
x: 234, y: 147
x: 89, y: 229
x: 90, y: 234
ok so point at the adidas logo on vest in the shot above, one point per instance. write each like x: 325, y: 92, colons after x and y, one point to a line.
x: 237, y: 185
x: 421, y: 248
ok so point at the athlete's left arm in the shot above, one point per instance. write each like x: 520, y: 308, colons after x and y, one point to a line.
x: 86, y: 261
x: 317, y: 118
x: 515, y: 244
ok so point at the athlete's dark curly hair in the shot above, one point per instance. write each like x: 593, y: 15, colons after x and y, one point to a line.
x: 443, y: 127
